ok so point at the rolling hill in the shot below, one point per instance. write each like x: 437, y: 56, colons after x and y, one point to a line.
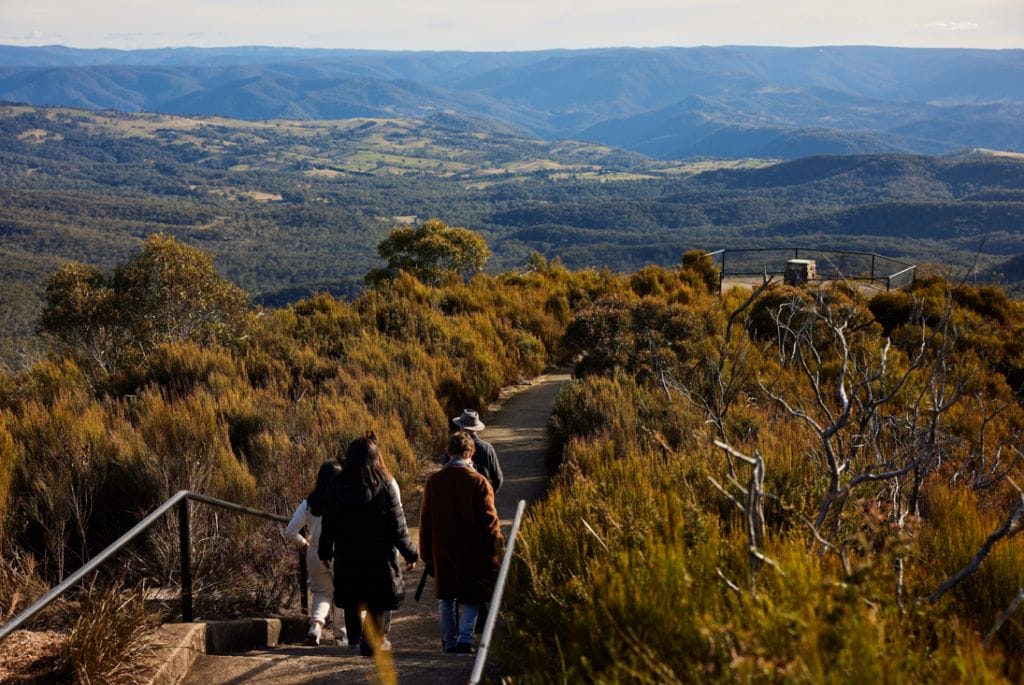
x: 664, y: 102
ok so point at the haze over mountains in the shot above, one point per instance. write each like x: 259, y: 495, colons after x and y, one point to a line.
x: 664, y: 102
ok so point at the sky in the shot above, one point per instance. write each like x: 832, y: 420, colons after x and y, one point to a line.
x: 510, y: 24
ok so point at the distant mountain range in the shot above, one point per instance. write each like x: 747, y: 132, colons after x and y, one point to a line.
x: 667, y: 103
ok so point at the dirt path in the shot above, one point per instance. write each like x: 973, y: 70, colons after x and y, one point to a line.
x: 516, y: 426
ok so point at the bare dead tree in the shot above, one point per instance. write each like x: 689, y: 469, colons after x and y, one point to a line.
x: 847, y: 399
x: 752, y: 504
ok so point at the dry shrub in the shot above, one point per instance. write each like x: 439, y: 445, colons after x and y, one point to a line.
x: 183, y: 366
x: 19, y: 582
x: 108, y: 640
x: 242, y: 567
x: 956, y: 530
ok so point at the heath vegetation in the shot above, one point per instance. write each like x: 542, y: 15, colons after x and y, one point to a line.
x: 797, y: 484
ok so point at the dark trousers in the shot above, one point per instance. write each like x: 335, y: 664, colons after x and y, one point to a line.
x: 353, y: 624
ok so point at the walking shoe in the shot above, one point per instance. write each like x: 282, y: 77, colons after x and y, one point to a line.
x: 313, y: 636
x: 461, y: 648
x: 366, y: 650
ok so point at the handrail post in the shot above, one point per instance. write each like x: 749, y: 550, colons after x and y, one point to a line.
x: 721, y: 274
x: 180, y: 500
x: 303, y: 583
x: 495, y: 603
x: 185, y: 547
x: 872, y: 268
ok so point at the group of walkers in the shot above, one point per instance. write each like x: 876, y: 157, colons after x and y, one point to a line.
x: 356, y: 532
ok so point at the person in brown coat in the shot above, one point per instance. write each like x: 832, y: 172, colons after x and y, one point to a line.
x: 460, y: 538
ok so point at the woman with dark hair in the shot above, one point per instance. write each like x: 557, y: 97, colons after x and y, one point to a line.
x: 363, y: 527
x: 308, y: 515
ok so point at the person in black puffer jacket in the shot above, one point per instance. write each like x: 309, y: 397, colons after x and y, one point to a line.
x: 363, y: 526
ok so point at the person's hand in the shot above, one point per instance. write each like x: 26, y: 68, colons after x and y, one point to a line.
x: 410, y: 566
x: 326, y: 563
x: 304, y: 548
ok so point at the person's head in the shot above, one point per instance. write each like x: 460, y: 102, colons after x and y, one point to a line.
x: 460, y: 445
x: 469, y: 420
x: 324, y: 476
x: 363, y: 462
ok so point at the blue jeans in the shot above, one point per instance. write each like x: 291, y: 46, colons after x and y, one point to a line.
x: 463, y: 631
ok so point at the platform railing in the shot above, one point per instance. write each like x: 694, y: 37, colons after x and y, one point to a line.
x: 495, y: 605
x: 180, y: 500
x: 853, y: 265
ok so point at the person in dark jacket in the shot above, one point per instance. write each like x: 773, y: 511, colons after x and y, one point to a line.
x: 485, y: 459
x: 460, y: 536
x: 363, y: 526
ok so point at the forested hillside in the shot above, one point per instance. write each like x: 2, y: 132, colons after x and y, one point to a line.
x: 669, y: 103
x: 291, y: 208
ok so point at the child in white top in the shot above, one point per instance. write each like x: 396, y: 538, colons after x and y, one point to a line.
x: 309, y: 515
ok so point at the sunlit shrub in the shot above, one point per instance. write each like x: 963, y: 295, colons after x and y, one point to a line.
x: 186, y: 445
x: 652, y: 281
x: 990, y: 301
x: 181, y: 367
x: 698, y: 268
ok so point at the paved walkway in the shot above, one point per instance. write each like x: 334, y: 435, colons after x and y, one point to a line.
x: 516, y: 426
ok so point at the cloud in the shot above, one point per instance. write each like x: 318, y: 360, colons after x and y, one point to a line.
x: 950, y: 26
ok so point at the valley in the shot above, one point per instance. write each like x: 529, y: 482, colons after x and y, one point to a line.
x: 292, y: 207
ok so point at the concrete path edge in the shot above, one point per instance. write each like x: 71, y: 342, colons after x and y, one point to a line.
x: 176, y: 646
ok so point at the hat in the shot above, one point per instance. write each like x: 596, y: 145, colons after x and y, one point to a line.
x: 469, y: 420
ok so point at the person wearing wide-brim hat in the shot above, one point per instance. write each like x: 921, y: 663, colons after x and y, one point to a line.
x: 485, y: 460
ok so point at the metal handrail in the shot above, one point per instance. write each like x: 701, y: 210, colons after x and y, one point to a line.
x: 495, y: 605
x: 900, y: 273
x: 181, y: 500
x: 796, y: 250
